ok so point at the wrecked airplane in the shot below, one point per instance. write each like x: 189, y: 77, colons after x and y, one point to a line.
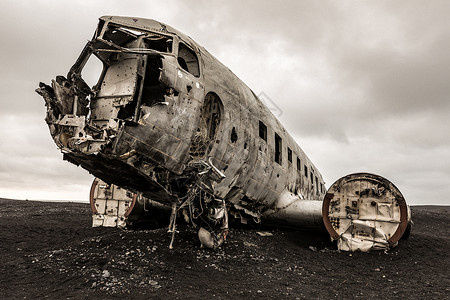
x: 167, y: 127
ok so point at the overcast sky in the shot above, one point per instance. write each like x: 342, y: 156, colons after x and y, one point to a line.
x: 362, y: 85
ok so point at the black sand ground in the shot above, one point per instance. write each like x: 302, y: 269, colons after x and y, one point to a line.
x: 50, y: 250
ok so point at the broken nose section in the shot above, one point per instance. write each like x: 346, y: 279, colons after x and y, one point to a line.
x: 68, y: 118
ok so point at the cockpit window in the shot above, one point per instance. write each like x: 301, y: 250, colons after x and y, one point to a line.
x: 122, y: 36
x: 159, y: 43
x: 92, y: 71
x: 187, y: 59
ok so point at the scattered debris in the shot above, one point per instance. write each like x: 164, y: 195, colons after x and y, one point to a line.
x: 312, y: 248
x: 264, y: 233
x: 250, y: 244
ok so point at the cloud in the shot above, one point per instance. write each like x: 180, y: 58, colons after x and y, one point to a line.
x: 362, y: 85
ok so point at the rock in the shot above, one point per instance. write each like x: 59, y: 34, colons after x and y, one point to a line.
x: 250, y: 244
x: 264, y: 233
x: 153, y: 282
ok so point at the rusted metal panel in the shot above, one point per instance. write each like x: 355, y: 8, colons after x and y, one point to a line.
x: 364, y: 212
x: 110, y: 204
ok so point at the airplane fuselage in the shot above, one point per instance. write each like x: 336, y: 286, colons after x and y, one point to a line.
x: 163, y: 107
x: 170, y: 124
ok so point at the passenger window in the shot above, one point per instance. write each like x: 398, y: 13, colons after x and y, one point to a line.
x: 262, y: 131
x: 187, y: 59
x: 234, y: 136
x: 278, y: 149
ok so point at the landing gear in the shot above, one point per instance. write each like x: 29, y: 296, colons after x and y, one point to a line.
x: 209, y: 238
x: 204, y: 212
x: 173, y: 224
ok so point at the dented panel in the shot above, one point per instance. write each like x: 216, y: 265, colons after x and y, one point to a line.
x: 365, y: 212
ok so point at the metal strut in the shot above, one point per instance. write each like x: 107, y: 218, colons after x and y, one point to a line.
x: 173, y: 223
